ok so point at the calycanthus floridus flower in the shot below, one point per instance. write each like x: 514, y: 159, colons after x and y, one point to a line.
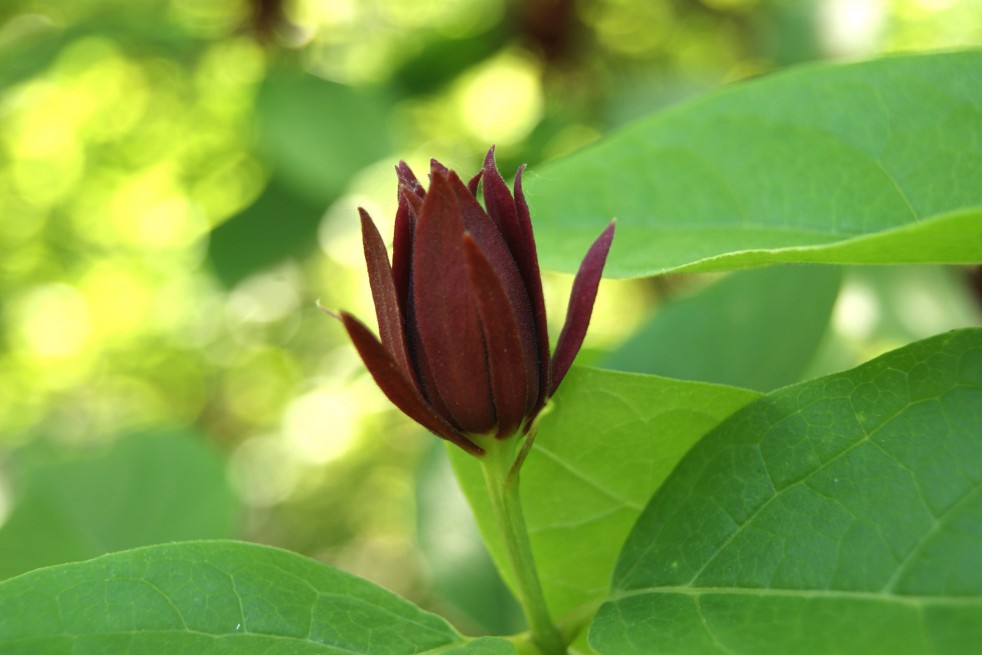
x: 464, y: 348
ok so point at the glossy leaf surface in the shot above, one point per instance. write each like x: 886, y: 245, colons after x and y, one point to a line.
x: 216, y: 597
x: 876, y: 162
x: 608, y: 443
x: 839, y: 515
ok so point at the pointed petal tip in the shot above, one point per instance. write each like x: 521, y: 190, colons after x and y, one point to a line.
x: 607, y: 235
x: 346, y: 317
x: 519, y: 192
x: 327, y: 311
x: 408, y: 180
x: 437, y: 168
x: 468, y: 446
x: 580, y: 309
x: 474, y: 182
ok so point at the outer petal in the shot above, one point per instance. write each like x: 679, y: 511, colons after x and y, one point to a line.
x: 437, y: 167
x: 397, y: 388
x: 509, y: 380
x: 391, y: 325
x: 501, y: 205
x: 452, y: 358
x: 408, y: 179
x: 495, y: 248
x: 580, y: 306
x: 410, y: 197
x: 528, y: 263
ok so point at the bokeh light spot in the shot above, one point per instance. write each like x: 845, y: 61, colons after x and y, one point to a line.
x: 120, y: 300
x: 54, y: 321
x: 323, y: 425
x: 263, y: 471
x: 857, y: 311
x: 501, y: 101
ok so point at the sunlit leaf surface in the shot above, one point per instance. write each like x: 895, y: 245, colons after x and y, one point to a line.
x: 609, y: 443
x: 215, y: 597
x: 866, y: 163
x: 839, y: 515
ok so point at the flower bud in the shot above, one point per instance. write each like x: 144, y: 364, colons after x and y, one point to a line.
x: 463, y: 346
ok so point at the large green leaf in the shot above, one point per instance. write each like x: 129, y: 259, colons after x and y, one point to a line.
x: 165, y: 485
x: 877, y: 162
x: 608, y: 442
x: 841, y: 515
x: 215, y: 597
x: 758, y: 329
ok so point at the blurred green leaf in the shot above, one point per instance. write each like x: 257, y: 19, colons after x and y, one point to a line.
x: 442, y: 58
x: 29, y: 51
x: 839, y: 515
x: 877, y: 162
x: 211, y: 598
x: 146, y: 489
x: 317, y: 134
x: 32, y: 41
x: 757, y: 329
x: 886, y: 307
x: 606, y: 446
x: 280, y: 223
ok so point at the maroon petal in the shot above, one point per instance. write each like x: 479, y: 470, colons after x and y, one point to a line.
x: 474, y: 181
x: 528, y: 264
x: 446, y: 318
x: 408, y: 179
x: 396, y: 387
x: 494, y: 247
x: 500, y: 205
x: 402, y: 241
x: 580, y: 306
x: 509, y: 379
x: 435, y: 167
x: 391, y: 325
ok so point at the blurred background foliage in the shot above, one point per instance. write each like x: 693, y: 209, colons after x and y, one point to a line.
x: 178, y: 187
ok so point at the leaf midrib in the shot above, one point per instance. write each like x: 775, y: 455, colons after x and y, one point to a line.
x: 164, y: 632
x: 841, y: 594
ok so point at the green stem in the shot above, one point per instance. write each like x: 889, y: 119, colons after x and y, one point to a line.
x: 501, y: 477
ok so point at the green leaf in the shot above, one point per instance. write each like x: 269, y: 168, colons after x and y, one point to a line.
x: 839, y: 515
x: 877, y: 162
x: 607, y: 443
x: 283, y: 221
x: 167, y: 485
x: 215, y: 597
x: 316, y: 134
x: 758, y: 329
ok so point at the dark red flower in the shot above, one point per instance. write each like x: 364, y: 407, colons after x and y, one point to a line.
x: 464, y: 348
